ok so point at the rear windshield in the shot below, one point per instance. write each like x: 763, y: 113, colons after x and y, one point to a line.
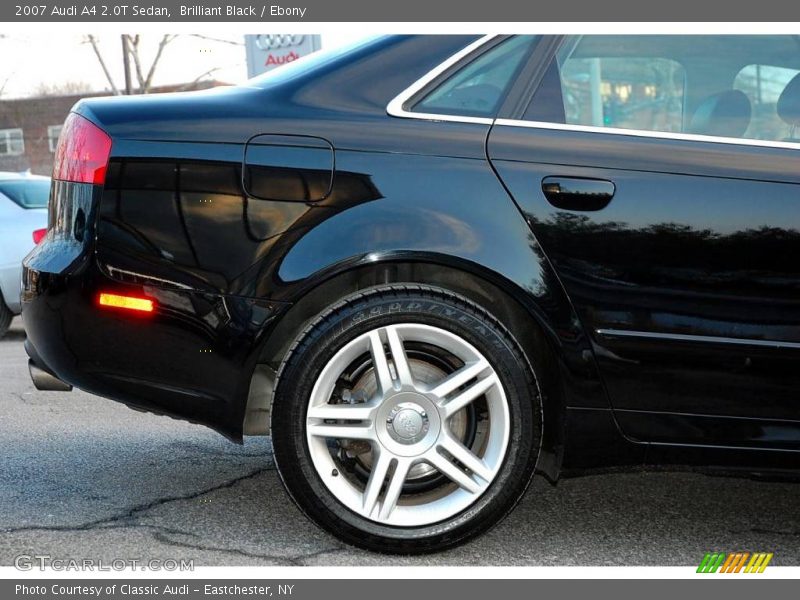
x: 27, y: 194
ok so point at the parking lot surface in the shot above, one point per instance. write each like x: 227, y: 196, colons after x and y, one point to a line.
x: 83, y: 477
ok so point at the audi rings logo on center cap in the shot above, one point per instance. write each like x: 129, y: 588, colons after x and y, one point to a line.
x: 268, y: 41
x: 407, y: 423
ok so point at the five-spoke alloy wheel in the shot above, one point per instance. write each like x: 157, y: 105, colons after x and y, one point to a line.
x: 406, y: 420
x: 406, y: 423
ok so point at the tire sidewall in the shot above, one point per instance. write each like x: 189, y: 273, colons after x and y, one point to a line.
x: 318, y: 344
x: 6, y: 316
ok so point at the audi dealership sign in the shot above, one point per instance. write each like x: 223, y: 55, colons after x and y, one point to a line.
x: 267, y: 51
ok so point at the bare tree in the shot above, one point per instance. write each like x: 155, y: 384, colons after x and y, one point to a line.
x: 67, y: 88
x: 144, y: 73
x: 4, y: 83
x: 90, y: 39
x: 191, y: 84
x: 146, y: 81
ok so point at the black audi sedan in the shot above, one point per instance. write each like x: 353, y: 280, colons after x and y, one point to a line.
x: 430, y: 266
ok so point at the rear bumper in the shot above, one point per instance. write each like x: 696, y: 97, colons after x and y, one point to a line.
x: 192, y: 358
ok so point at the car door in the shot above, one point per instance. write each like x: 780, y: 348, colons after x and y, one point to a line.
x: 661, y: 176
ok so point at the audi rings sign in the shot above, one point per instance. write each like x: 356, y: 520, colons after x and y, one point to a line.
x: 269, y: 50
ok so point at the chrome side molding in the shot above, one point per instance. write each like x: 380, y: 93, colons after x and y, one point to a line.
x: 708, y: 339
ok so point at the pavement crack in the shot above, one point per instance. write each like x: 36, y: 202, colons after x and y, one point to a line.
x: 132, y: 513
x: 281, y: 560
x: 19, y: 397
x: 301, y: 558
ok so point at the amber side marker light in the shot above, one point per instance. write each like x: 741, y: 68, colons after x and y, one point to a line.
x: 127, y: 302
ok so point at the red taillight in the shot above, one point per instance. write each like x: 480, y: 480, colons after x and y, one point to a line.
x: 38, y: 235
x: 82, y: 152
x: 133, y: 303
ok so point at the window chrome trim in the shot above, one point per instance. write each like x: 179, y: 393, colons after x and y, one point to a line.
x: 687, y: 137
x: 396, y: 108
x: 709, y: 339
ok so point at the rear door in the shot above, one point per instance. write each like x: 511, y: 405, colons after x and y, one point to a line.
x: 661, y: 175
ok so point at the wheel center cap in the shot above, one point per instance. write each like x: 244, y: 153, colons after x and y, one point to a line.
x: 407, y: 423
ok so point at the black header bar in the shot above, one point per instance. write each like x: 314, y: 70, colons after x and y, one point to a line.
x: 454, y: 11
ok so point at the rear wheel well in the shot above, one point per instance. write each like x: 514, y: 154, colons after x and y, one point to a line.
x: 523, y: 324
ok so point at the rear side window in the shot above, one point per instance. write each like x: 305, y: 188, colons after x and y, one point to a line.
x: 764, y: 85
x: 27, y: 194
x: 478, y: 88
x: 635, y: 93
x: 744, y: 86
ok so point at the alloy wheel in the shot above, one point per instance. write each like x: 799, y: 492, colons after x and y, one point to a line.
x: 408, y: 426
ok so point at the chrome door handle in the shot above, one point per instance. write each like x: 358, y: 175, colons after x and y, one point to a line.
x: 578, y: 193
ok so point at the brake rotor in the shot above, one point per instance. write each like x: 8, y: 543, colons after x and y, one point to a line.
x: 367, y: 387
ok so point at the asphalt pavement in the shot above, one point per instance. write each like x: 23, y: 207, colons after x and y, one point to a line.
x: 84, y: 477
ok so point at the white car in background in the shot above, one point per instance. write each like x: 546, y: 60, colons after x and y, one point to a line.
x: 23, y: 222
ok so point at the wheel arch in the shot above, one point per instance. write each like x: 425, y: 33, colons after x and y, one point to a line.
x: 516, y: 308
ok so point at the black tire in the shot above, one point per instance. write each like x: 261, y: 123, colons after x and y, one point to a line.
x: 5, y: 317
x: 353, y: 317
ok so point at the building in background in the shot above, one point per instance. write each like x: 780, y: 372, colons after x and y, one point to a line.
x: 266, y: 51
x: 29, y: 127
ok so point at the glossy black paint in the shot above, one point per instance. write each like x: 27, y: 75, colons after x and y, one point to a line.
x: 288, y: 168
x: 185, y: 359
x: 578, y: 194
x: 691, y: 252
x: 239, y: 243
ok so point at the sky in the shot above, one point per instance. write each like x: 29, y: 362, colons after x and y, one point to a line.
x: 60, y: 58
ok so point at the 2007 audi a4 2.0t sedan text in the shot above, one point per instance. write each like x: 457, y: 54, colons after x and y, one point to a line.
x: 429, y: 266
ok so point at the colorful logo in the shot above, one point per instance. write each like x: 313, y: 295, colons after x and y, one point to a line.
x: 734, y: 562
